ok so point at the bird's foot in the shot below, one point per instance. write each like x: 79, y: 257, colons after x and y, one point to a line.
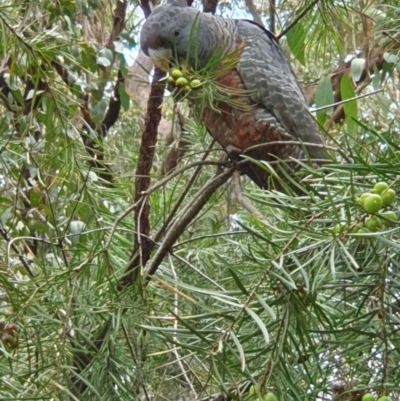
x: 233, y: 152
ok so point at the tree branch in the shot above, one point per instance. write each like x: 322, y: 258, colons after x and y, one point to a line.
x: 252, y: 10
x: 187, y: 214
x: 272, y: 11
x: 296, y: 20
x: 114, y: 106
x: 143, y: 245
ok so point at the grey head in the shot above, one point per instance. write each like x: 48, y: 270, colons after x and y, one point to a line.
x: 176, y: 31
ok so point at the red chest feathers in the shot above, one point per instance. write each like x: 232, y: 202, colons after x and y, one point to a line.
x: 243, y: 124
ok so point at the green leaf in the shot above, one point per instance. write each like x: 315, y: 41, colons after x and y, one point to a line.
x: 357, y: 66
x: 350, y: 108
x: 296, y: 42
x: 238, y: 282
x: 35, y: 198
x: 391, y: 58
x: 88, y: 57
x: 105, y: 62
x: 260, y: 324
x: 99, y: 110
x: 125, y: 100
x: 119, y: 46
x: 105, y: 57
x: 324, y: 97
x: 267, y: 308
x: 383, y: 102
x: 239, y: 347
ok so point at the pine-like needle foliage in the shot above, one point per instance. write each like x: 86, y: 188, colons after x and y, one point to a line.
x: 300, y: 300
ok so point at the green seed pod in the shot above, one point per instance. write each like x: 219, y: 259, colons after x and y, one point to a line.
x: 171, y: 80
x: 373, y: 223
x: 252, y: 390
x: 379, y: 187
x: 270, y: 397
x: 361, y: 199
x: 372, y: 203
x: 195, y: 83
x: 175, y: 73
x: 181, y: 82
x: 388, y: 197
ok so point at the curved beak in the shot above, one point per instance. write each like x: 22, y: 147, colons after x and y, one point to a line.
x: 161, y: 58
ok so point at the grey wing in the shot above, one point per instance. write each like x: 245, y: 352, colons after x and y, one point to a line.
x: 266, y: 72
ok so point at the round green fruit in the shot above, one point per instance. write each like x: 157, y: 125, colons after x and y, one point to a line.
x: 388, y: 197
x: 270, y: 397
x: 384, y: 398
x: 389, y: 219
x: 181, y: 82
x: 368, y: 397
x: 372, y: 203
x: 195, y: 83
x: 373, y: 223
x: 361, y: 199
x: 171, y: 80
x: 379, y: 187
x: 175, y: 73
x: 252, y: 391
x: 187, y: 89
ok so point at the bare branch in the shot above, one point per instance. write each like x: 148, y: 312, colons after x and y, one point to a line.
x: 252, y: 10
x: 141, y: 252
x: 338, y: 114
x: 272, y: 12
x: 296, y: 21
x: 160, y: 232
x: 187, y: 214
x: 347, y: 100
x: 242, y: 201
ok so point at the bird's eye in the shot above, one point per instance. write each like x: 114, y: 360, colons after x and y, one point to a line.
x: 176, y: 33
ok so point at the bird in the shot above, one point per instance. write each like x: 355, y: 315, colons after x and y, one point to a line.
x: 265, y: 116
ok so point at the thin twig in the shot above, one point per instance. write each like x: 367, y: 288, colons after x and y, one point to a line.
x: 199, y: 272
x: 300, y: 16
x: 384, y: 33
x: 175, y: 338
x: 303, y: 144
x: 161, y: 231
x: 209, y: 236
x: 179, y: 171
x: 329, y: 124
x: 346, y: 101
x: 242, y: 201
x: 4, y: 234
x: 119, y: 219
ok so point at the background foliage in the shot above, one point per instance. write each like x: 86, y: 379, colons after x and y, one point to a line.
x: 262, y: 288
